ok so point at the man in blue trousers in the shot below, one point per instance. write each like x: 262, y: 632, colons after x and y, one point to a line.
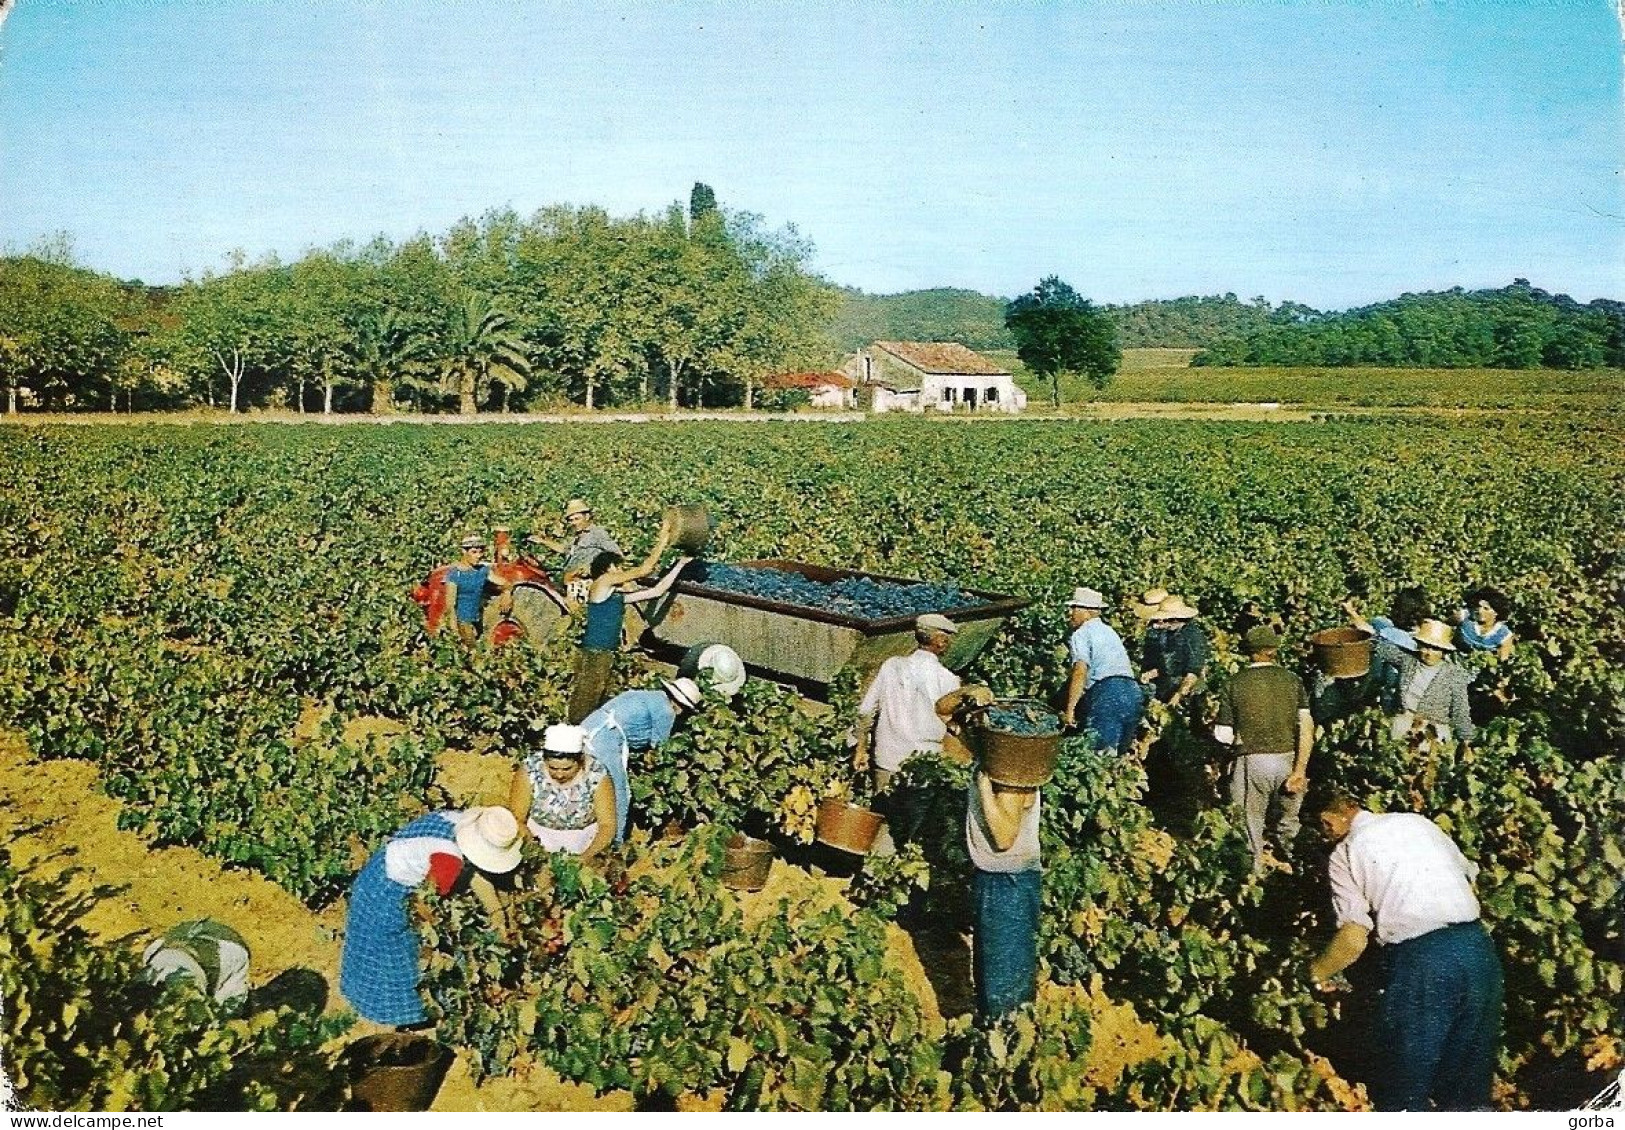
x: 1101, y: 679
x: 1439, y: 1020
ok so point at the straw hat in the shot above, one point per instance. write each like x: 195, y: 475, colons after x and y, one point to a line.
x: 473, y: 541
x: 685, y: 691
x: 1434, y: 633
x: 489, y: 839
x: 564, y: 739
x: 727, y: 670
x: 935, y: 622
x: 1084, y: 597
x: 1175, y: 608
x: 1260, y: 638
x: 576, y: 506
x: 1150, y: 599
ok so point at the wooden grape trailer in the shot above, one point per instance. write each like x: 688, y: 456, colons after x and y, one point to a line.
x: 809, y: 646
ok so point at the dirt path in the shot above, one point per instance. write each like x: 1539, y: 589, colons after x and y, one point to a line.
x: 1240, y: 411
x: 53, y: 817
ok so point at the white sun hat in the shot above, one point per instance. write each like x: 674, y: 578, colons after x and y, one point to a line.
x: 727, y: 670
x: 685, y: 691
x: 1085, y: 597
x: 489, y: 839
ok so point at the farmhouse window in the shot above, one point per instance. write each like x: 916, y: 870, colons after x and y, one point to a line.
x: 947, y: 396
x: 991, y: 396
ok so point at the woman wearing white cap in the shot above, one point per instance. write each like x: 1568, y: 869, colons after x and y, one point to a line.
x: 564, y: 797
x: 379, y: 970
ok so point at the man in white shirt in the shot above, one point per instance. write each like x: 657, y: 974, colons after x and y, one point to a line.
x: 910, y: 702
x: 1439, y: 1020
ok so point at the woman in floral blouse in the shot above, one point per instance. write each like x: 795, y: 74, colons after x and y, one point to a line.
x: 565, y: 798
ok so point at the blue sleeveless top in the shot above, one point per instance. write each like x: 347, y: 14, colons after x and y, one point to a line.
x: 604, y: 619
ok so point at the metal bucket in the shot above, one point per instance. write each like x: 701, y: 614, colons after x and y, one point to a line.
x: 690, y: 528
x: 1343, y: 653
x: 847, y: 826
x: 746, y: 863
x: 397, y: 1071
x: 1023, y: 761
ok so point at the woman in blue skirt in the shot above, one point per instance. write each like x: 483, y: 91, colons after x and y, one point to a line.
x: 379, y: 970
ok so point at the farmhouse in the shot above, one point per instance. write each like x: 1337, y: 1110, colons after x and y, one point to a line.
x: 919, y: 376
x: 826, y: 390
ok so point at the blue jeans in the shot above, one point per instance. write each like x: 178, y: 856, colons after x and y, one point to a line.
x: 1112, y: 708
x: 1440, y: 1021
x: 1006, y: 952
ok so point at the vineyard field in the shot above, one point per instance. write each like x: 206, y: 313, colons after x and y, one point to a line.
x: 177, y: 604
x: 1166, y: 376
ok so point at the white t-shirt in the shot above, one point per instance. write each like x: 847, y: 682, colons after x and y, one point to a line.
x: 1396, y: 873
x: 1022, y: 854
x: 904, y: 695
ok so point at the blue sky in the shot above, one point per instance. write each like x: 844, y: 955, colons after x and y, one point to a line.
x: 1332, y: 153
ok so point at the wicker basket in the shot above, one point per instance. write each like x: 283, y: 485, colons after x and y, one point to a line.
x: 746, y: 863
x: 690, y: 528
x: 1023, y: 761
x: 847, y: 826
x: 1342, y: 653
x: 396, y: 1071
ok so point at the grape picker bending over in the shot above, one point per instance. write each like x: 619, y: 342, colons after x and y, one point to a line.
x: 1439, y: 1015
x: 1101, y: 679
x: 379, y: 971
x: 635, y: 720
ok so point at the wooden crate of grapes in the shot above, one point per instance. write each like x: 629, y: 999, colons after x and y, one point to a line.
x: 807, y: 623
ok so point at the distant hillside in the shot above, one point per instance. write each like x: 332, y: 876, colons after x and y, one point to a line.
x: 977, y: 320
x: 1198, y: 322
x: 972, y: 319
x: 1516, y: 327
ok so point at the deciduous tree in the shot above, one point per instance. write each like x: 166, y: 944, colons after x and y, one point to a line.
x: 1057, y: 331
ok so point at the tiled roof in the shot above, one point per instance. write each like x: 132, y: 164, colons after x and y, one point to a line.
x: 808, y: 380
x: 942, y: 357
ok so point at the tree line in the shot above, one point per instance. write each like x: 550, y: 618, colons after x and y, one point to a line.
x: 570, y: 305
x: 1516, y: 327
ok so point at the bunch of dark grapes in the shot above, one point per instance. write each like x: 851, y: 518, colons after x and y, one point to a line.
x: 1026, y: 718
x: 863, y: 597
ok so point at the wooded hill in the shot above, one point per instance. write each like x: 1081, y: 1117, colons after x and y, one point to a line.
x: 977, y: 320
x: 1515, y: 327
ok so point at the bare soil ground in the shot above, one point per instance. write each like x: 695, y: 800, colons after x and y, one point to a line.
x: 54, y: 818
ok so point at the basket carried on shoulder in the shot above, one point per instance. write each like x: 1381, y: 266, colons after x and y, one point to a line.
x: 1012, y: 753
x: 1343, y: 653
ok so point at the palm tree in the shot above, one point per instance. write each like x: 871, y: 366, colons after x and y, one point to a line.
x: 383, y: 345
x: 481, y: 345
